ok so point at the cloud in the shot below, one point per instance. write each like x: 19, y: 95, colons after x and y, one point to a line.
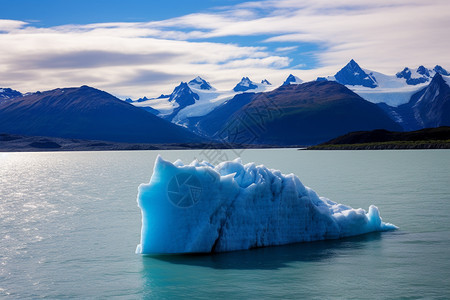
x: 145, y: 58
x: 142, y: 77
x: 128, y: 59
x: 276, y: 62
x: 286, y: 49
x: 9, y: 25
x: 93, y: 59
x: 384, y: 34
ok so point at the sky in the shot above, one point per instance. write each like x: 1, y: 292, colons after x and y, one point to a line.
x: 138, y: 48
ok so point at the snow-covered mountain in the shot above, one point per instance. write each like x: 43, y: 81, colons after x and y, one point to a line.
x: 390, y: 89
x: 200, y: 83
x: 7, y: 93
x: 183, y: 95
x: 352, y: 74
x: 429, y: 107
x: 376, y: 87
x: 421, y: 74
x: 196, y: 98
x: 441, y: 70
x: 244, y: 85
x: 292, y: 80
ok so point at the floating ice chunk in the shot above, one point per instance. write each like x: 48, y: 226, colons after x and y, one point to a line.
x: 202, y: 208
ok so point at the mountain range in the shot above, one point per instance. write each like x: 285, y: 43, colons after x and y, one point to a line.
x: 294, y: 113
x: 302, y: 114
x: 87, y: 113
x: 393, y: 90
x: 429, y: 107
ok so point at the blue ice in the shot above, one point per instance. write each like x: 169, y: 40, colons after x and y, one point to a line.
x: 204, y: 208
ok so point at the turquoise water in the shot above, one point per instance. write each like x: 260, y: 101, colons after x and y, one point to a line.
x: 69, y: 226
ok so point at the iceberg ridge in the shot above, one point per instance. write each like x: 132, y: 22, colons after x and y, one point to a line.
x: 204, y: 208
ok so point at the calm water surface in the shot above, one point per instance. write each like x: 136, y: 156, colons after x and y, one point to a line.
x: 69, y: 226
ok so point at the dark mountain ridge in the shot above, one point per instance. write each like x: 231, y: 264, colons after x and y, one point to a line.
x: 382, y: 135
x: 8, y: 94
x: 306, y: 114
x: 87, y: 113
x: 352, y: 74
x: 429, y: 107
x: 428, y: 138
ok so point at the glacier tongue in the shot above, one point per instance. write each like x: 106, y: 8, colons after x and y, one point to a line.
x: 204, y: 208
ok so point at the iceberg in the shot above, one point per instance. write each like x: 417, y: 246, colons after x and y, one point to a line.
x: 201, y: 208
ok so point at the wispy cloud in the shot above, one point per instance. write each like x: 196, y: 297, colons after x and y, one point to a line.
x: 383, y: 34
x: 145, y: 58
x: 286, y: 49
x: 111, y: 54
x: 9, y: 25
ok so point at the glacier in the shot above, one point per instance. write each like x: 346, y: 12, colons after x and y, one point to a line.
x: 201, y: 208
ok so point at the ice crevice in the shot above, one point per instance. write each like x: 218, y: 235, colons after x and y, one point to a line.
x: 204, y: 208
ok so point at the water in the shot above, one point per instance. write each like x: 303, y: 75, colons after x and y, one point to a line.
x: 69, y: 226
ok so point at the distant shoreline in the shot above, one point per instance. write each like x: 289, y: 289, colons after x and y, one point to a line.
x: 380, y: 139
x: 20, y: 143
x: 394, y: 145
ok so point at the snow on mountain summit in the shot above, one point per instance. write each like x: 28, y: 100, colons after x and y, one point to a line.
x: 421, y: 74
x: 377, y: 87
x: 244, y: 85
x: 7, y: 93
x: 196, y: 98
x: 183, y: 95
x: 441, y: 70
x: 291, y: 79
x: 352, y: 74
x: 200, y: 83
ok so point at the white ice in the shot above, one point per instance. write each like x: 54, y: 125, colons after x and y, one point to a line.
x: 204, y: 208
x: 447, y: 79
x: 210, y: 99
x: 390, y: 89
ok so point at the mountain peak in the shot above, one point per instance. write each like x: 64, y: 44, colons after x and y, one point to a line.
x: 183, y: 95
x: 7, y: 93
x: 429, y: 106
x: 441, y: 70
x: 352, y: 74
x: 352, y: 62
x: 437, y: 78
x: 421, y: 75
x: 200, y: 83
x: 404, y: 73
x: 244, y: 85
x: 86, y: 113
x: 291, y: 79
x: 423, y: 71
x: 265, y: 81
